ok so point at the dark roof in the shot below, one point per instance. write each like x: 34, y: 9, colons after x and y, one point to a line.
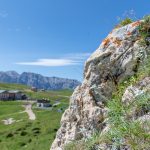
x: 43, y: 101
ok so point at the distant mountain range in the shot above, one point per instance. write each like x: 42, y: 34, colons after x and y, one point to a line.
x: 37, y: 80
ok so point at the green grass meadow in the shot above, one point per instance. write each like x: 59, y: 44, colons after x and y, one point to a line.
x: 26, y: 134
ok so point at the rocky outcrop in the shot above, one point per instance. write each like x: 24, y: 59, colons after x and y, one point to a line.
x: 135, y: 92
x: 37, y: 80
x: 117, y: 58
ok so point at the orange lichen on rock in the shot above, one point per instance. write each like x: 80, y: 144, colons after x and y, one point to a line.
x: 117, y: 42
x: 110, y: 32
x: 136, y: 23
x: 106, y: 42
x: 129, y: 33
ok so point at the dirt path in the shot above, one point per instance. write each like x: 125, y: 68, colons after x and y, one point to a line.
x: 28, y: 110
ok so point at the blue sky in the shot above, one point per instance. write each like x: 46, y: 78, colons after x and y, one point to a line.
x: 55, y: 37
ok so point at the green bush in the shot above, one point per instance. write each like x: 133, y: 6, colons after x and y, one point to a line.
x: 9, y: 135
x: 144, y: 30
x: 23, y: 133
x: 126, y: 21
x: 22, y: 144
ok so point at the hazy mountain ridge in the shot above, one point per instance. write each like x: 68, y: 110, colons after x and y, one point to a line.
x: 37, y: 80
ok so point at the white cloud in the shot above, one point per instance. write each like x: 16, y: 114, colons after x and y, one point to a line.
x: 50, y: 62
x: 68, y: 60
x: 3, y: 14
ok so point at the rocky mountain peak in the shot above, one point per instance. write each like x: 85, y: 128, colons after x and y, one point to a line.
x: 12, y: 73
x: 37, y: 80
x: 116, y: 59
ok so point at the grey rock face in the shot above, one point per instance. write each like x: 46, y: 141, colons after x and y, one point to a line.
x: 133, y: 92
x: 37, y: 80
x: 116, y: 58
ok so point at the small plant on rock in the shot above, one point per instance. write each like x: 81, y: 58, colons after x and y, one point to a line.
x: 126, y: 21
x: 126, y: 18
x: 144, y: 31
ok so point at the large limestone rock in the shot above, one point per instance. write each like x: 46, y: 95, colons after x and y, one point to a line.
x: 117, y: 57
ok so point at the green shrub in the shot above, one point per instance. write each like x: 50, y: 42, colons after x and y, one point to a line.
x: 30, y: 140
x: 23, y: 133
x: 144, y: 30
x: 126, y: 21
x: 9, y: 135
x: 22, y: 144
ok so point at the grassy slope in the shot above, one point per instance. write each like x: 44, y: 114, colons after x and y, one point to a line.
x: 30, y: 135
x: 7, y: 86
x: 26, y: 134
